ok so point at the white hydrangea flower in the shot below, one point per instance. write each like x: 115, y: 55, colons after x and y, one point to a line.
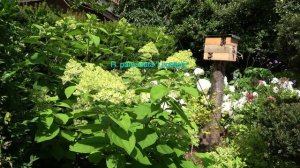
x: 287, y: 85
x: 226, y: 98
x: 186, y: 74
x: 227, y: 108
x: 275, y: 80
x: 203, y: 85
x: 239, y: 104
x: 148, y: 50
x: 262, y: 82
x: 166, y: 107
x: 184, y: 56
x: 102, y: 85
x: 198, y: 72
x: 255, y: 94
x: 145, y: 97
x: 275, y: 89
x: 182, y: 102
x: 154, y: 82
x: 173, y: 94
x: 244, y: 93
x: 231, y: 88
x: 225, y: 81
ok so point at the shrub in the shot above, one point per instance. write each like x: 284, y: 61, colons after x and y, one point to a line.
x: 281, y: 129
x: 222, y: 157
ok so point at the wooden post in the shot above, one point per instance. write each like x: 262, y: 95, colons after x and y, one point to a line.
x: 211, y: 133
x: 219, y: 49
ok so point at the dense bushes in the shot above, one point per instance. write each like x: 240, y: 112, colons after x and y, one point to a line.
x: 261, y: 114
x: 281, y: 129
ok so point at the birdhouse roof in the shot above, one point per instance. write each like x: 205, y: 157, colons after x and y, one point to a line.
x: 225, y: 35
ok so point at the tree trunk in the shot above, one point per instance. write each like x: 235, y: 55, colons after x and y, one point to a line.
x: 211, y: 133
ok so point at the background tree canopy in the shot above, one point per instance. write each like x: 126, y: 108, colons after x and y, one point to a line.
x: 265, y: 27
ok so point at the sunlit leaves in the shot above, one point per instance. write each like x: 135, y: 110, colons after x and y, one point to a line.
x: 88, y: 145
x: 120, y: 138
x: 158, y: 91
x: 43, y: 134
x: 69, y: 91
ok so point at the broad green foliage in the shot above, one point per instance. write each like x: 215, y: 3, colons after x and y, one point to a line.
x: 36, y: 43
x: 128, y: 132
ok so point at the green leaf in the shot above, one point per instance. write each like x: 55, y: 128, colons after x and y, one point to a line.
x: 47, y: 120
x: 68, y: 135
x: 78, y: 45
x: 7, y: 75
x: 114, y: 161
x: 158, y: 91
x: 90, y: 128
x: 103, y: 30
x: 62, y: 117
x: 53, y: 99
x: 119, y: 137
x: 140, y: 156
x: 187, y: 164
x: 32, y: 40
x: 37, y: 58
x: 129, y: 50
x: 69, y: 91
x: 95, y: 39
x: 164, y: 149
x: 89, y: 145
x: 206, y: 158
x: 63, y: 104
x: 179, y: 110
x: 163, y: 72
x: 146, y: 137
x: 178, y: 152
x: 43, y: 134
x: 105, y: 50
x: 95, y: 157
x: 124, y: 121
x: 142, y: 111
x: 190, y: 90
x: 74, y: 32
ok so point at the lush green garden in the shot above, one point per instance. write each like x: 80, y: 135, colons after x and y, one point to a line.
x: 63, y: 104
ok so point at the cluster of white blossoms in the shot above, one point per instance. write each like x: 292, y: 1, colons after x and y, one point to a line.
x: 203, y: 85
x: 101, y: 85
x: 229, y: 104
x: 282, y: 84
x: 198, y: 72
x: 148, y: 50
x: 134, y: 74
x: 184, y: 56
x: 276, y: 85
x: 145, y: 97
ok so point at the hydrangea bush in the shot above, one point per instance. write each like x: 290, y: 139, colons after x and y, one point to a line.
x: 123, y: 116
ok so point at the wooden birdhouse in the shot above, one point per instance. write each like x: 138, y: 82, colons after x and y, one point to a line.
x: 221, y: 48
